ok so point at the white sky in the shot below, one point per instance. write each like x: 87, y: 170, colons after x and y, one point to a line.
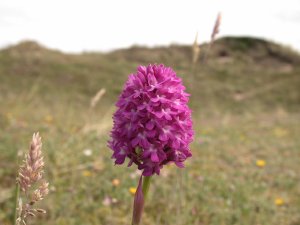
x: 96, y: 25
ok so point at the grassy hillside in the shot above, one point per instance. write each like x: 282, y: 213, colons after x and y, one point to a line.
x: 245, y: 101
x: 251, y: 69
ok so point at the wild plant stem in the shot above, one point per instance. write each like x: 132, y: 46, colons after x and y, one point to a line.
x: 145, y: 188
x: 17, y: 194
x: 146, y: 185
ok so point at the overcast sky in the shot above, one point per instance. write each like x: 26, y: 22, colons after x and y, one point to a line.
x: 96, y: 25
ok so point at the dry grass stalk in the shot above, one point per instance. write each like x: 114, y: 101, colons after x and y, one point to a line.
x: 214, y: 33
x: 97, y: 97
x: 216, y: 29
x: 196, y: 49
x: 31, y: 171
x: 30, y: 175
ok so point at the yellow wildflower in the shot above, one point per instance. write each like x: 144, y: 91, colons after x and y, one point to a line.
x: 260, y: 163
x: 87, y: 173
x: 280, y: 132
x: 132, y: 190
x: 9, y: 116
x: 48, y: 119
x: 115, y: 182
x: 278, y: 201
x: 242, y: 138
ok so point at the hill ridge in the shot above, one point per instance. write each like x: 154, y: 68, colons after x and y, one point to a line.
x: 241, y: 43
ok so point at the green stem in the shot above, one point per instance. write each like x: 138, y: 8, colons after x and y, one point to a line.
x: 17, y: 194
x: 139, y: 202
x: 146, y: 185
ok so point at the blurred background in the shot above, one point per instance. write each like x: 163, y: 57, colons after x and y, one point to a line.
x: 63, y: 65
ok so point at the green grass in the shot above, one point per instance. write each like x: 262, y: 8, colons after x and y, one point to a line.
x: 245, y: 107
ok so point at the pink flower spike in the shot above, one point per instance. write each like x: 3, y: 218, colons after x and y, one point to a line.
x: 152, y: 112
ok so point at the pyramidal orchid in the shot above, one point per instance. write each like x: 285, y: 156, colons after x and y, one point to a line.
x: 152, y: 125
